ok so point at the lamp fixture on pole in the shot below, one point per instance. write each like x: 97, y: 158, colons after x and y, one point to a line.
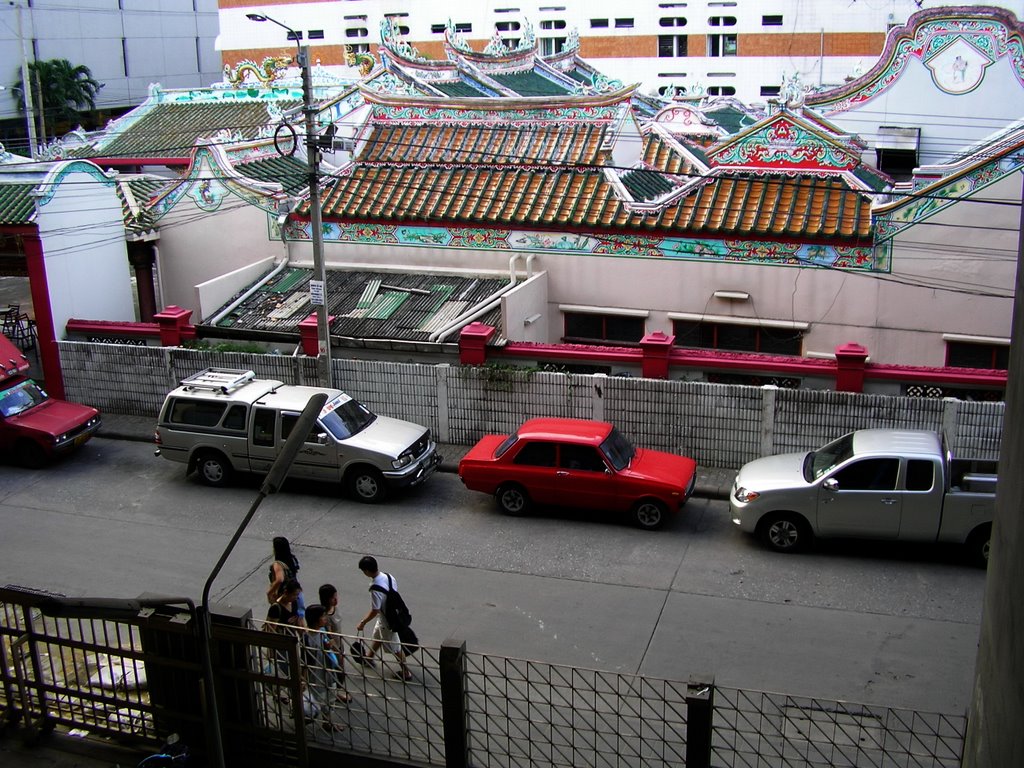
x: 318, y: 285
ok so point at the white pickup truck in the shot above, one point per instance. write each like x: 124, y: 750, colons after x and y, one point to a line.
x: 893, y: 484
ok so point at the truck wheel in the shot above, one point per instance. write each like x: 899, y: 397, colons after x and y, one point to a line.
x: 785, y: 532
x: 649, y: 514
x: 213, y: 469
x: 978, y: 545
x: 30, y: 454
x: 513, y: 499
x: 366, y: 484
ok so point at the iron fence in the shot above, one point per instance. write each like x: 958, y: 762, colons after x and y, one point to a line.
x: 532, y: 713
x: 139, y: 678
x: 769, y: 730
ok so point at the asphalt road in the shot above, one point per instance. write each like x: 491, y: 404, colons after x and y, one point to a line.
x: 860, y: 622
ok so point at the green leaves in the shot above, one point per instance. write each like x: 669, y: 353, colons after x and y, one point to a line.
x: 67, y: 90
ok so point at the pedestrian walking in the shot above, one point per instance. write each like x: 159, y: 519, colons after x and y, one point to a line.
x: 317, y: 676
x: 284, y: 566
x: 336, y: 646
x: 383, y: 635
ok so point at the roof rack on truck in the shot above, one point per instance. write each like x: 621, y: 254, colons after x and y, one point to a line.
x: 223, y: 380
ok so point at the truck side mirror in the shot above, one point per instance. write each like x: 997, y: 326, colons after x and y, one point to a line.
x: 830, y: 484
x: 321, y: 438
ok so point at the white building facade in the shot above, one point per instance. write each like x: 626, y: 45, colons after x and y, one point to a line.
x: 741, y: 48
x: 126, y: 44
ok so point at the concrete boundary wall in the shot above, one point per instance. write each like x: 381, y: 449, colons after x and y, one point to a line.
x: 720, y: 425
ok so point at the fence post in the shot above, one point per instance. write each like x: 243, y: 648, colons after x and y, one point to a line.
x: 700, y: 704
x: 600, y: 382
x: 453, y: 703
x: 950, y: 422
x: 768, y: 395
x: 443, y: 427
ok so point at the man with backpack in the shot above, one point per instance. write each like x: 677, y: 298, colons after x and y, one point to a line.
x: 393, y: 617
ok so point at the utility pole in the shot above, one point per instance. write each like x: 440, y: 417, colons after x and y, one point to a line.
x: 318, y: 285
x: 26, y: 87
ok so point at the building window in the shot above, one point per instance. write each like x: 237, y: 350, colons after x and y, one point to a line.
x: 698, y: 334
x: 316, y: 34
x: 675, y: 90
x: 506, y: 10
x: 771, y: 90
x: 551, y: 8
x: 356, y: 32
x: 549, y: 46
x: 771, y: 21
x: 671, y: 45
x: 552, y: 24
x: 722, y: 21
x: 507, y: 26
x: 437, y: 29
x: 464, y: 27
x: 598, y: 23
x: 721, y: 90
x: 672, y: 21
x: 962, y: 354
x: 623, y: 23
x: 722, y: 45
x: 586, y: 326
x: 294, y: 34
x: 359, y: 47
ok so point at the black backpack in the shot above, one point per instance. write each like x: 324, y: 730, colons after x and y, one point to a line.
x: 396, y: 612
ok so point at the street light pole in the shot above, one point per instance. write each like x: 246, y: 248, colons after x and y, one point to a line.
x: 318, y: 285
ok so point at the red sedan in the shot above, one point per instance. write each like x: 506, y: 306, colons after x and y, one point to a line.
x: 577, y: 463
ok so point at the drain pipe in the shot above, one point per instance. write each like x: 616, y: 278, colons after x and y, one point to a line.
x: 482, y: 305
x: 492, y: 302
x: 234, y: 305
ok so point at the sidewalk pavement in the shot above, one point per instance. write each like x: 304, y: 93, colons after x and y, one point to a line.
x: 712, y: 482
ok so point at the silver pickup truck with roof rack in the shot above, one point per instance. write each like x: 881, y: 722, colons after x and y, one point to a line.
x: 222, y: 421
x: 897, y: 484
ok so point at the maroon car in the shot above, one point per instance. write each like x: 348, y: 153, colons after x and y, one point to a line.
x: 578, y: 463
x: 34, y: 427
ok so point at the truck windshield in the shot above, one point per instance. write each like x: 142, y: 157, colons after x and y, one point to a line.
x: 825, y: 459
x: 19, y: 398
x: 344, y: 417
x: 618, y: 449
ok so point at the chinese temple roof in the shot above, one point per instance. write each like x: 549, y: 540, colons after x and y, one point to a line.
x: 562, y: 162
x: 17, y: 206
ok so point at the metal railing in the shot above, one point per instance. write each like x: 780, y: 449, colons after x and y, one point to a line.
x: 769, y: 730
x: 139, y: 678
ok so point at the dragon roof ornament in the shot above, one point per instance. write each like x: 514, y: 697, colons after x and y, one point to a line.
x: 392, y: 39
x: 456, y: 39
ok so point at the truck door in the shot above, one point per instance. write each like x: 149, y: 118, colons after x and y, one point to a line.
x: 861, y: 500
x: 263, y: 439
x: 922, y: 501
x: 318, y: 456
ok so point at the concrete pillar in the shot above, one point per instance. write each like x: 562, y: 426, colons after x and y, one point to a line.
x: 851, y: 360
x: 142, y: 258
x: 473, y: 343
x: 657, y: 347
x: 46, y: 334
x: 308, y: 333
x: 172, y: 322
x: 994, y: 733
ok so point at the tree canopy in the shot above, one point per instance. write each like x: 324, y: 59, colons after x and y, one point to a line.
x: 67, y: 90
